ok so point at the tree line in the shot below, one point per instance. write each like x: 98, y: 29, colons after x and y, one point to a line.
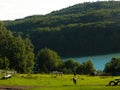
x: 17, y: 53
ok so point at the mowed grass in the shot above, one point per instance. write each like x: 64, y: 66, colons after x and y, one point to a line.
x: 52, y: 82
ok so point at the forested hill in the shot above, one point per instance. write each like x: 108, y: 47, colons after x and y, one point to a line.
x: 82, y: 29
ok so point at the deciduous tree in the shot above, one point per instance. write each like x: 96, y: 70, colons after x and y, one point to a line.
x: 47, y: 60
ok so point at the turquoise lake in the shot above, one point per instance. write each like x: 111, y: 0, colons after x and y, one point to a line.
x: 99, y: 61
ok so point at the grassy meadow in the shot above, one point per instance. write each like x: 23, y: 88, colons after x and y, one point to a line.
x: 52, y: 82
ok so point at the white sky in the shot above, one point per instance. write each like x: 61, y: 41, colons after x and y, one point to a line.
x: 15, y: 9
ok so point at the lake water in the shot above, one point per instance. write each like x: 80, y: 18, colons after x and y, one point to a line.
x: 99, y: 61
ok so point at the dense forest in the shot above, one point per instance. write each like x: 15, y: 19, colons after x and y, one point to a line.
x: 88, y: 28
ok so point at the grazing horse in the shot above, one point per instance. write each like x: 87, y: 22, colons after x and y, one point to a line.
x: 57, y: 73
x: 60, y: 73
x: 74, y: 80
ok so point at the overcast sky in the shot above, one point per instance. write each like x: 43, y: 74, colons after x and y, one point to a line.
x: 15, y: 9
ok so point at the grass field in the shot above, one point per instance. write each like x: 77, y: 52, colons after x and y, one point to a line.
x: 51, y: 82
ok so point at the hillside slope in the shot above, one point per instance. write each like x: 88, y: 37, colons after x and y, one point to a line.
x: 82, y: 29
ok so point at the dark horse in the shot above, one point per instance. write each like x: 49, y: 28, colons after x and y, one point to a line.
x: 74, y: 80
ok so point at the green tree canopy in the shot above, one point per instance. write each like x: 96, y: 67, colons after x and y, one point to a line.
x: 4, y: 63
x: 113, y: 66
x: 71, y: 66
x: 18, y: 51
x: 88, y: 67
x: 47, y: 60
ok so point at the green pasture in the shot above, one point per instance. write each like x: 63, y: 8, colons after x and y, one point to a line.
x: 53, y: 82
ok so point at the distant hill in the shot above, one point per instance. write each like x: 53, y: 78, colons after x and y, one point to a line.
x: 79, y: 30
